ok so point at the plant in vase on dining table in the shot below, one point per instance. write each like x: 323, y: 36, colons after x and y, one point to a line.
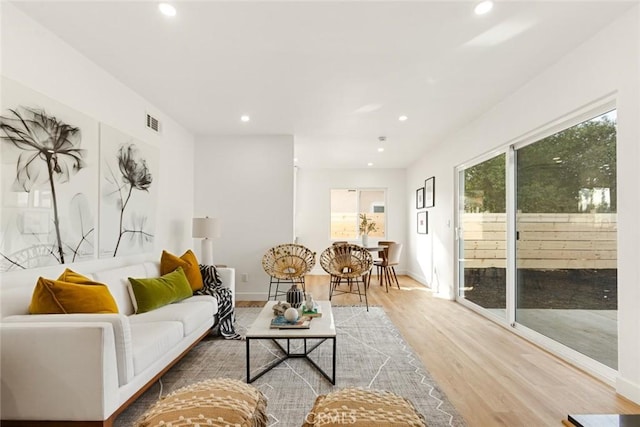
x: 366, y: 226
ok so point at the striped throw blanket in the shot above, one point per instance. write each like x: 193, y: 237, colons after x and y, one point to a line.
x: 226, y: 315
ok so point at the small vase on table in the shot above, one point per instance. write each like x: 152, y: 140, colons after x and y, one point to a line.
x: 365, y: 240
x: 295, y: 296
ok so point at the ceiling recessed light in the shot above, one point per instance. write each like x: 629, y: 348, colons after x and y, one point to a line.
x: 166, y: 9
x: 369, y: 164
x: 295, y: 159
x: 483, y: 7
x: 245, y: 118
x: 403, y: 118
x: 380, y: 150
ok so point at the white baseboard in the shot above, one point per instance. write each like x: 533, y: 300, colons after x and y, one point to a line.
x: 418, y: 278
x: 252, y: 296
x: 628, y: 389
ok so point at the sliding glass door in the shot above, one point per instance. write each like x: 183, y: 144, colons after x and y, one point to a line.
x: 483, y: 235
x: 537, y: 235
x: 566, y: 238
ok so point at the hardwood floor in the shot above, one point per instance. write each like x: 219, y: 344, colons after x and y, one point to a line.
x: 493, y: 377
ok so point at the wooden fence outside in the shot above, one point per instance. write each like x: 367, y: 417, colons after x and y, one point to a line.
x: 343, y: 225
x: 546, y: 241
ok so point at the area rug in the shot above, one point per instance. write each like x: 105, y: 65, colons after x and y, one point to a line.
x: 371, y: 354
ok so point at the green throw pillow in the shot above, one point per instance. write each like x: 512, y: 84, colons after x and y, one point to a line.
x: 156, y: 292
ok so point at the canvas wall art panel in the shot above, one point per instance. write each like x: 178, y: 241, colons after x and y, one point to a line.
x: 49, y: 173
x: 128, y: 194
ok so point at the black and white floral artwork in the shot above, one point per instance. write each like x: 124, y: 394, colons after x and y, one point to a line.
x: 49, y: 177
x: 128, y: 194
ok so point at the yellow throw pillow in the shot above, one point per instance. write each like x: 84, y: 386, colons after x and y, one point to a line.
x: 71, y: 293
x: 71, y: 276
x: 189, y: 263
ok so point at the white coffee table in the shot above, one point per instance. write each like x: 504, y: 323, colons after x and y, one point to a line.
x: 322, y: 328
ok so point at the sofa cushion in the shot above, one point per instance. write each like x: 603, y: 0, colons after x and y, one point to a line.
x: 151, y: 340
x: 188, y: 262
x: 152, y: 293
x: 116, y: 280
x: 62, y: 297
x: 191, y: 316
x: 212, y: 301
x: 220, y: 402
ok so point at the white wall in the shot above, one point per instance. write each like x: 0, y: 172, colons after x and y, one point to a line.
x: 313, y: 208
x: 246, y: 182
x: 607, y: 63
x: 36, y: 58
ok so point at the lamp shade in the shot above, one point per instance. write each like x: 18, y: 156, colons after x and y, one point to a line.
x: 205, y: 228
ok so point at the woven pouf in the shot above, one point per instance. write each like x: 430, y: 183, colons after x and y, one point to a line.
x: 215, y: 402
x: 359, y: 408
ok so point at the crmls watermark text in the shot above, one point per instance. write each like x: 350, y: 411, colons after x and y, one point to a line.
x: 332, y: 418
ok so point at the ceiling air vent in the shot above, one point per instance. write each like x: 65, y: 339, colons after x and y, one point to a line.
x: 153, y: 123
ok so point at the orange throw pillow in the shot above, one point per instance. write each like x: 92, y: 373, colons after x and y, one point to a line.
x: 71, y: 293
x: 71, y: 276
x: 189, y: 263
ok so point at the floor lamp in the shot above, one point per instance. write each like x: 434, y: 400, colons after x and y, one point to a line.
x: 206, y: 229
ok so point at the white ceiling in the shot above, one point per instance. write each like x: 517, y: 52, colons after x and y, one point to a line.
x: 336, y: 75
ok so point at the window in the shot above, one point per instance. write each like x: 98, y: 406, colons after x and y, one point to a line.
x: 347, y: 204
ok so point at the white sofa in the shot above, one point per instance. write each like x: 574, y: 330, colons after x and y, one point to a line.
x: 90, y: 367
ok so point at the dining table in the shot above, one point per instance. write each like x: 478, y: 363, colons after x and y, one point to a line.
x: 373, y: 249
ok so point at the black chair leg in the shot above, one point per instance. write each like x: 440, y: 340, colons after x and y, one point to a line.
x: 277, y: 284
x: 275, y: 296
x: 333, y: 283
x: 304, y: 288
x: 366, y: 301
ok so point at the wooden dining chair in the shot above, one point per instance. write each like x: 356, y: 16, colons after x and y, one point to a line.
x: 382, y: 256
x: 387, y: 266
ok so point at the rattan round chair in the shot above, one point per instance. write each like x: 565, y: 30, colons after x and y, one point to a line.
x: 347, y: 262
x: 287, y: 263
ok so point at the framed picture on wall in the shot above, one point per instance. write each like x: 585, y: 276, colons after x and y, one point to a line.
x: 423, y: 222
x: 430, y: 192
x: 420, y: 198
